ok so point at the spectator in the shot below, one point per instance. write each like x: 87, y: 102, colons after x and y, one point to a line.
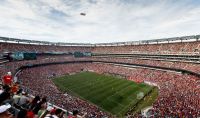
x: 5, y: 95
x: 4, y: 113
x: 39, y: 105
x: 42, y: 110
x: 52, y: 111
x: 75, y: 113
x: 15, y: 88
x: 30, y: 114
x: 24, y: 99
x: 58, y: 114
x: 17, y: 96
x: 34, y: 102
x: 22, y: 113
x: 7, y: 79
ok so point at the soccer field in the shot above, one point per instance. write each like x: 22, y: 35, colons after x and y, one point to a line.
x: 110, y: 93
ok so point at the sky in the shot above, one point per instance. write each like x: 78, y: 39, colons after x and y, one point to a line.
x: 105, y: 20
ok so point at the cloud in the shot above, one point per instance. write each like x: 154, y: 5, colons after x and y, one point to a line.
x: 105, y: 20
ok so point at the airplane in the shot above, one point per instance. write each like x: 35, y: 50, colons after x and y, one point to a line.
x: 83, y: 14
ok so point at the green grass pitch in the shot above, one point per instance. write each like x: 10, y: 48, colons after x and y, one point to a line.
x: 110, y: 93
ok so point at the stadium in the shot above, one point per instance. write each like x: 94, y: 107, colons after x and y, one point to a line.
x: 110, y: 79
x: 99, y: 59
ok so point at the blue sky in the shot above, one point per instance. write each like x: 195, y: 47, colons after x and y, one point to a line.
x: 105, y: 20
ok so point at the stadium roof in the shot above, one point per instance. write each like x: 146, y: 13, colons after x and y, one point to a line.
x: 154, y: 41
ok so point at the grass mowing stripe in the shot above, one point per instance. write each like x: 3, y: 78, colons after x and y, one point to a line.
x: 112, y: 88
x: 88, y: 88
x: 123, y: 111
x: 95, y: 85
x: 108, y: 86
x: 103, y: 92
x: 91, y: 80
x: 121, y: 96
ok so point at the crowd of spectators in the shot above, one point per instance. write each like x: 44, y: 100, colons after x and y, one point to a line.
x: 17, y: 102
x: 15, y: 47
x: 184, y: 47
x: 190, y: 48
x: 63, y: 100
x: 178, y: 93
x: 194, y: 67
x: 13, y: 65
x: 165, y: 48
